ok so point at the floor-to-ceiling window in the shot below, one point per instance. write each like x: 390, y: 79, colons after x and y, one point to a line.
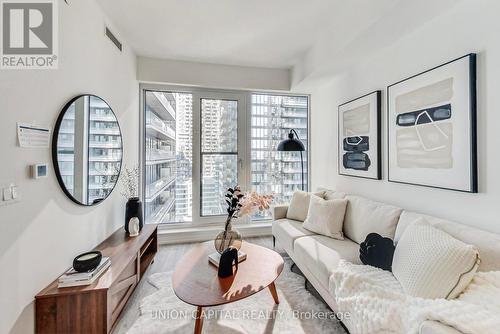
x: 197, y: 143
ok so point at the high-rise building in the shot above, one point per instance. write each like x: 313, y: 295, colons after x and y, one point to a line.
x: 184, y: 157
x: 184, y: 120
x: 220, y: 141
x: 273, y: 116
x: 169, y: 155
x: 104, y: 149
x: 160, y: 165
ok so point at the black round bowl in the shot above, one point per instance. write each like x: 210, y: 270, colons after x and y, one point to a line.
x: 87, y: 261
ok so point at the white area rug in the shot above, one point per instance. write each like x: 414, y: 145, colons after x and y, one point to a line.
x: 298, y: 312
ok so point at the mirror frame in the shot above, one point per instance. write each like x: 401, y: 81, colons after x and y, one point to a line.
x: 55, y: 162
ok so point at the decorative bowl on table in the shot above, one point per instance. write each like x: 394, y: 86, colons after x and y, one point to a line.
x: 87, y: 261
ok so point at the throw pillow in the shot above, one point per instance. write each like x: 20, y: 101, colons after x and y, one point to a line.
x: 377, y: 251
x: 364, y: 216
x: 429, y: 263
x: 299, y: 205
x: 326, y: 217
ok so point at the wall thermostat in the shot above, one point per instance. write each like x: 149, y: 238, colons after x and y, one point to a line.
x: 39, y: 170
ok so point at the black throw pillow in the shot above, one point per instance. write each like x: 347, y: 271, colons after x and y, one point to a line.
x: 377, y: 251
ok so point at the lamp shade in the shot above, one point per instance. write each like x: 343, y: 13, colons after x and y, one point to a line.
x: 291, y: 144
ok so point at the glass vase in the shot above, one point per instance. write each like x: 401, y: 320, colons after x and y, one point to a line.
x: 228, y: 237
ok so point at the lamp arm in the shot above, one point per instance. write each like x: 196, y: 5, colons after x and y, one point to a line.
x: 293, y: 130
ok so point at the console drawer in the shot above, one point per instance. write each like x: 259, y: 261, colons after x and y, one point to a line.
x: 121, y: 290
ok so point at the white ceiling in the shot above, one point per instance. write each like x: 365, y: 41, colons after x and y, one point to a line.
x: 264, y: 33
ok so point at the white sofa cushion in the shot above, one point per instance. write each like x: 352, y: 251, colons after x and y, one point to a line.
x: 321, y: 255
x: 429, y: 263
x: 487, y: 243
x: 299, y: 205
x: 364, y: 216
x: 326, y: 217
x: 279, y: 211
x: 287, y: 230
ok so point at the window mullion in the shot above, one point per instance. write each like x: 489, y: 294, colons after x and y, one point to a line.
x: 196, y: 181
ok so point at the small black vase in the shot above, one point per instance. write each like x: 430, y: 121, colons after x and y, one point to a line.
x: 133, y: 209
x: 227, y: 258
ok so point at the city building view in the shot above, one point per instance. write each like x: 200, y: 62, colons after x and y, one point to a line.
x: 169, y: 152
x: 105, y: 152
x: 219, y: 150
x: 184, y: 157
x: 273, y: 172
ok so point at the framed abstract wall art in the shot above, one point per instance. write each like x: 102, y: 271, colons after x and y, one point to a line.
x: 432, y: 127
x: 359, y: 137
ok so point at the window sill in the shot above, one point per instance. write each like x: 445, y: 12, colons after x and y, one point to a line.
x: 176, y: 235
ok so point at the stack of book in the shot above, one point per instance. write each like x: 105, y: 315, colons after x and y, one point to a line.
x: 214, y: 258
x: 75, y: 278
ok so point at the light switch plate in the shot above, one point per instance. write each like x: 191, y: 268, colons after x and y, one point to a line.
x: 13, y: 191
x: 9, y: 193
x: 6, y: 194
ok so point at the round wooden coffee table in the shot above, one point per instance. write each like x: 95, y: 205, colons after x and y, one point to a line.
x: 195, y: 280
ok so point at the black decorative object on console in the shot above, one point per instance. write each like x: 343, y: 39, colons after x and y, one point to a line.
x: 133, y: 216
x: 87, y: 261
x: 227, y: 258
x: 377, y: 251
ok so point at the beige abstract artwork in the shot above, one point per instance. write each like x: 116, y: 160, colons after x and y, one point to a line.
x: 424, y: 134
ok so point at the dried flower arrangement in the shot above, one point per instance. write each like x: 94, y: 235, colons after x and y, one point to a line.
x: 239, y: 204
x: 242, y: 204
x: 130, y: 182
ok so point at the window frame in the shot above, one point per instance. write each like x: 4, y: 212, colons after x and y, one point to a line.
x: 198, y: 96
x: 244, y: 144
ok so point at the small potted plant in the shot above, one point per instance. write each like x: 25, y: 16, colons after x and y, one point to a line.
x: 239, y: 204
x: 133, y: 209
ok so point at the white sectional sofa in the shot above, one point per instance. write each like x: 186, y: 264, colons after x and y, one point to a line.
x: 317, y: 256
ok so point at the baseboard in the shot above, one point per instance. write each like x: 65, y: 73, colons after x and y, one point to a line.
x: 197, y: 234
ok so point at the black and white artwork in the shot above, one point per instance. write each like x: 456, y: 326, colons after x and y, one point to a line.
x: 359, y: 137
x: 432, y: 127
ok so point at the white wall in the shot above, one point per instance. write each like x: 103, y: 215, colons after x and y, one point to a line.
x: 469, y: 26
x: 40, y: 236
x: 211, y: 75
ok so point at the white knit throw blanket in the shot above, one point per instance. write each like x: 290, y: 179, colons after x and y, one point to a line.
x: 376, y: 303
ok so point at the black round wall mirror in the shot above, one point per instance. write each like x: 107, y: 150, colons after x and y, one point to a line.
x: 87, y: 149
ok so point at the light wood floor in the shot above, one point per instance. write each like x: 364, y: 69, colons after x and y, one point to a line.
x: 166, y: 260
